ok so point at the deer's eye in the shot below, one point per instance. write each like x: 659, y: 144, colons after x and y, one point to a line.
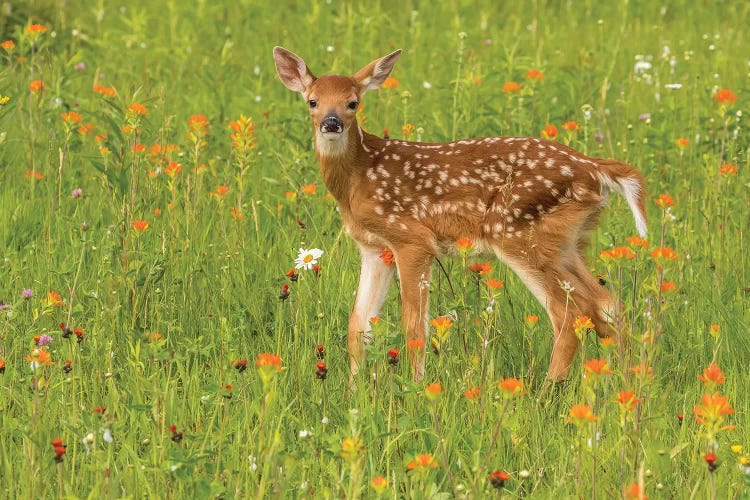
x: 313, y: 103
x: 353, y: 105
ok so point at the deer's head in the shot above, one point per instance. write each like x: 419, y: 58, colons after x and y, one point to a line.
x: 331, y: 99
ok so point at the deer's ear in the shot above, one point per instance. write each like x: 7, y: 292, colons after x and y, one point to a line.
x: 292, y: 70
x: 374, y: 74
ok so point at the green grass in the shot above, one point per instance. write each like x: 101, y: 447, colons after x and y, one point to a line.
x: 210, y: 284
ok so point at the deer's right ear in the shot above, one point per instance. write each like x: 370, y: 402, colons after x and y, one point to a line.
x: 292, y: 70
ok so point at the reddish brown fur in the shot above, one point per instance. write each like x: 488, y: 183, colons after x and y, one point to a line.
x: 528, y: 200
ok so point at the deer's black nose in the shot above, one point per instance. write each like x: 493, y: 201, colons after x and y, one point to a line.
x: 332, y: 123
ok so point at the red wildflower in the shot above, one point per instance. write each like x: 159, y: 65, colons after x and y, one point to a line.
x: 497, y: 478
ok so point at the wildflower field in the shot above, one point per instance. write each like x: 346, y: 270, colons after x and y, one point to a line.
x: 175, y: 281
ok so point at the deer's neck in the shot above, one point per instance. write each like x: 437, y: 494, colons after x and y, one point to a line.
x: 344, y: 162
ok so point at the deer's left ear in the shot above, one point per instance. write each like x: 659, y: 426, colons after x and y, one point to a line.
x: 374, y: 74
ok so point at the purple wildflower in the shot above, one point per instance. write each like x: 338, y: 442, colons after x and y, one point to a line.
x: 44, y: 340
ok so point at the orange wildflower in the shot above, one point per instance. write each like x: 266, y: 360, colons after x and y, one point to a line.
x: 36, y: 86
x: 617, y: 253
x: 54, y: 299
x: 309, y: 189
x: 464, y: 245
x: 236, y: 213
x: 198, y: 124
x: 243, y: 136
x: 387, y: 256
x: 608, y: 342
x: 664, y: 253
x: 172, y: 169
x: 714, y: 330
x: 642, y: 370
x: 712, y: 411
x: 33, y: 174
x: 433, y: 391
x: 269, y: 365
x: 442, y: 326
x: 570, y: 126
x: 441, y: 323
x: 71, y: 117
x: 36, y: 28
x: 379, y: 484
x: 682, y: 143
x: 581, y: 324
x: 535, y: 74
x: 407, y: 130
x: 725, y: 97
x: 550, y: 132
x: 85, y: 129
x: 712, y: 376
x: 140, y: 225
x: 8, y: 45
x: 581, y: 415
x: 472, y: 393
x: 415, y: 344
x: 38, y: 358
x: 667, y: 286
x: 728, y: 169
x: 712, y: 405
x: 634, y: 492
x: 494, y: 284
x: 510, y: 87
x: 106, y: 91
x: 664, y: 200
x: 139, y: 148
x: 531, y: 319
x: 423, y: 461
x: 222, y: 190
x: 480, y: 268
x: 595, y: 369
x: 352, y: 448
x: 511, y: 387
x: 137, y: 109
x: 627, y: 400
x: 637, y: 241
x: 390, y: 83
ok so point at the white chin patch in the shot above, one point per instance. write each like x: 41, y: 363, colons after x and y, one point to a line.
x: 331, y: 143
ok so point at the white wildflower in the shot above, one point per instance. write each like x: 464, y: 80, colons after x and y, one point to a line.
x: 307, y: 258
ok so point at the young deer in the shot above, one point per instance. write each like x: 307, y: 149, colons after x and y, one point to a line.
x: 529, y: 201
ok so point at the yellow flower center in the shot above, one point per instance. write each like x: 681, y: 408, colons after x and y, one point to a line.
x: 308, y: 258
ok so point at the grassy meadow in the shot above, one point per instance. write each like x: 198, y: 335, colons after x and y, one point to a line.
x: 157, y: 183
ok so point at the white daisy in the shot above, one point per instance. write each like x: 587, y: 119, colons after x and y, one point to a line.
x: 307, y: 258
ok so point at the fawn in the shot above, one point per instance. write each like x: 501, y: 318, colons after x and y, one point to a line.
x: 529, y: 201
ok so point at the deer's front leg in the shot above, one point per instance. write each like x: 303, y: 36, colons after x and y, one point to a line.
x: 414, y: 265
x: 374, y: 279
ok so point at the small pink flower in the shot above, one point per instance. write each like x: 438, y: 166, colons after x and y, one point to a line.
x: 76, y: 193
